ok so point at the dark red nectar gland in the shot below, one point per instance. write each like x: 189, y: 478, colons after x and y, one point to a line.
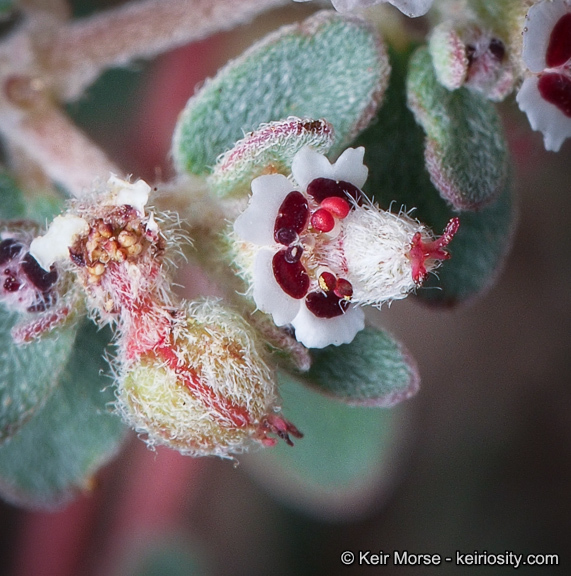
x: 9, y: 249
x: 41, y: 279
x: 292, y: 218
x: 291, y: 276
x: 326, y: 304
x: 556, y: 89
x: 322, y: 188
x: 559, y: 48
x: 421, y: 251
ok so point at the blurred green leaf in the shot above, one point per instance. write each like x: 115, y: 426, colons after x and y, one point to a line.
x: 466, y: 153
x: 394, y: 155
x: 329, y: 66
x: 28, y: 374
x: 172, y: 558
x: 478, y: 252
x: 11, y: 199
x: 373, y: 370
x: 339, y: 459
x: 56, y: 452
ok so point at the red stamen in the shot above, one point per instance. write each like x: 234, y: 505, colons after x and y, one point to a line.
x: 323, y: 220
x: 274, y: 424
x: 339, y: 207
x: 422, y: 251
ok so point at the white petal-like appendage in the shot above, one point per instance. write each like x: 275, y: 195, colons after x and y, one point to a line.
x: 55, y: 243
x: 412, y: 8
x: 314, y: 332
x: 350, y: 168
x: 543, y: 116
x: 268, y: 295
x: 348, y: 5
x: 256, y: 223
x: 539, y: 23
x: 308, y: 165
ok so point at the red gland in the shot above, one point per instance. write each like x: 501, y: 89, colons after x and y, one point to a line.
x: 274, y: 424
x: 323, y: 220
x: 343, y: 289
x: 421, y: 251
x: 339, y: 207
x: 559, y: 48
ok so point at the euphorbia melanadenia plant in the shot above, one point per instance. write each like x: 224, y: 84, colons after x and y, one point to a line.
x: 319, y: 173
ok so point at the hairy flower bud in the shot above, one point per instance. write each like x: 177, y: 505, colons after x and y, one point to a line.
x: 205, y: 391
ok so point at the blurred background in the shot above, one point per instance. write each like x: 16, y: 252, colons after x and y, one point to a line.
x: 481, y: 460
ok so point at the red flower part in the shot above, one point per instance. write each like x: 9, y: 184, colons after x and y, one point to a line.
x: 291, y: 276
x: 422, y: 251
x: 339, y: 207
x: 321, y: 188
x: 291, y: 219
x: 323, y: 220
x: 559, y: 47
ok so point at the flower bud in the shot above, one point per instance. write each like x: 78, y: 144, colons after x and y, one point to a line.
x: 205, y: 391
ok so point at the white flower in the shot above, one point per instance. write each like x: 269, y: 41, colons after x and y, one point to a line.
x: 412, y: 8
x: 545, y: 95
x: 313, y: 252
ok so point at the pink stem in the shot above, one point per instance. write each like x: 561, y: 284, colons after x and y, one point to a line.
x: 78, y: 54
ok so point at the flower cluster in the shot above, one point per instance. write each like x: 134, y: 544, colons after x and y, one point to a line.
x: 315, y: 248
x: 545, y: 95
x: 192, y: 376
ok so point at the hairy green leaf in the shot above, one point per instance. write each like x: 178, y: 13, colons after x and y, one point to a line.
x: 339, y: 459
x: 373, y: 370
x: 56, y: 452
x: 398, y: 178
x: 478, y: 252
x: 330, y: 66
x: 28, y: 373
x: 466, y: 153
x: 11, y: 199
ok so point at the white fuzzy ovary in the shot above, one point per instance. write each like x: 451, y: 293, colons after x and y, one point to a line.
x: 221, y: 349
x: 375, y: 245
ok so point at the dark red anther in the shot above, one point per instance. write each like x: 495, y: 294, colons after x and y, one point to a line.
x: 422, y: 251
x: 343, y: 288
x: 41, y: 279
x: 323, y: 220
x: 339, y: 207
x: 556, y: 89
x: 291, y: 277
x: 327, y: 281
x: 322, y: 188
x: 9, y: 249
x: 292, y: 218
x: 293, y: 254
x: 497, y: 48
x: 11, y: 284
x: 559, y: 47
x: 326, y: 304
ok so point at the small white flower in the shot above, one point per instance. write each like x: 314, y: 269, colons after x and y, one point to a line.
x: 412, y: 8
x: 313, y: 253
x: 545, y: 95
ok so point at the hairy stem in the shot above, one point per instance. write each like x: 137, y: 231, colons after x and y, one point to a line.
x: 81, y: 51
x: 66, y: 155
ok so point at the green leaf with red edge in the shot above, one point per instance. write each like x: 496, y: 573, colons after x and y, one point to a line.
x: 373, y: 370
x: 55, y: 453
x: 466, y: 153
x: 329, y: 66
x: 29, y: 373
x: 341, y: 461
x: 398, y: 178
x: 271, y: 147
